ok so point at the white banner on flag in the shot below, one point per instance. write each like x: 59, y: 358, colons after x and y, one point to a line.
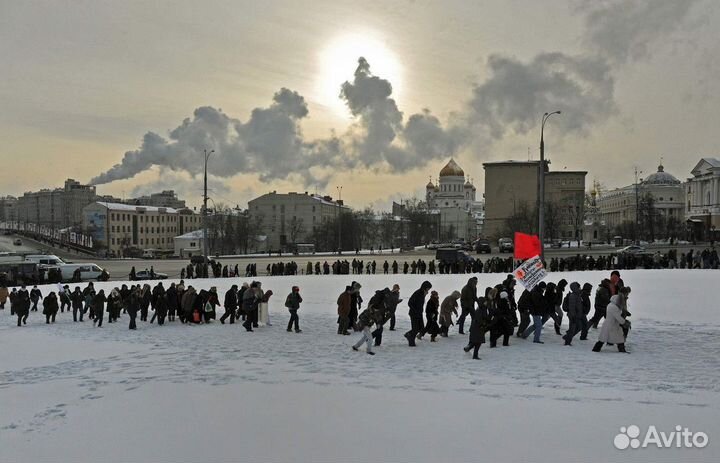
x: 530, y: 273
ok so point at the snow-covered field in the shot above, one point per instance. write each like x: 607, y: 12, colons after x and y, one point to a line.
x: 71, y: 392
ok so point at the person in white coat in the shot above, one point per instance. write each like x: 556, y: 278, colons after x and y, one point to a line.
x: 611, y: 331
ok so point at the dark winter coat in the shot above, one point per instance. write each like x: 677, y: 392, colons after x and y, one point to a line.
x: 293, y: 300
x: 343, y: 303
x: 366, y: 318
x: 35, y: 294
x: 98, y: 303
x: 478, y: 327
x: 231, y: 300
x: 525, y: 301
x: 50, y: 305
x: 432, y: 310
x: 416, y: 303
x: 574, y: 301
x: 602, y: 298
x: 538, y: 301
x: 468, y: 295
x: 77, y: 299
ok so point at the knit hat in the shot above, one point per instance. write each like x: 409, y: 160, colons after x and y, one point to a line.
x: 295, y: 289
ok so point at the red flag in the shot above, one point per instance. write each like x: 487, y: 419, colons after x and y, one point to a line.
x: 526, y: 246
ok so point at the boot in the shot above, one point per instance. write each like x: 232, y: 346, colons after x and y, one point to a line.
x: 557, y: 329
x: 598, y: 345
x: 467, y: 348
x: 410, y: 338
x: 621, y: 348
x: 475, y: 357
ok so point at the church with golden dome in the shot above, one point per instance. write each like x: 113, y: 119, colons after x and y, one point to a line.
x: 453, y: 197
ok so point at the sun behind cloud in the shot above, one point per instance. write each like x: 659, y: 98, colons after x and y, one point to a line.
x: 338, y: 60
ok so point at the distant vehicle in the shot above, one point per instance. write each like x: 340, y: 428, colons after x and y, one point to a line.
x: 483, y: 246
x: 88, y: 272
x: 452, y: 255
x: 506, y: 245
x: 148, y: 254
x: 145, y: 275
x: 633, y: 250
x: 8, y: 232
x: 15, y: 273
x: 17, y: 242
x: 433, y: 245
x: 44, y: 259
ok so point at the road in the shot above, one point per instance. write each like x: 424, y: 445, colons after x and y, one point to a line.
x: 120, y: 268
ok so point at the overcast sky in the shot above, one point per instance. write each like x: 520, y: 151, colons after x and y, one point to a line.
x: 145, y: 86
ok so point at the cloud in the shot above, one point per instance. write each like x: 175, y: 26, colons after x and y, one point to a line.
x: 270, y: 143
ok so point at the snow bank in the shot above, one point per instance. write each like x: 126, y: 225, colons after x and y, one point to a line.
x: 71, y: 392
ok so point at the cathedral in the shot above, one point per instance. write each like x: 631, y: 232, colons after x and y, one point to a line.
x: 453, y: 199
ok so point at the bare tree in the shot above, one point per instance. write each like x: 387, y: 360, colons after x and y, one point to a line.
x: 296, y: 229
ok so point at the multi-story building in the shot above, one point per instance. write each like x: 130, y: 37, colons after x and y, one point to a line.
x: 623, y: 204
x: 8, y: 209
x: 166, y: 198
x: 119, y: 228
x: 57, y: 208
x: 292, y: 217
x: 511, y: 189
x: 702, y: 200
x: 453, y: 198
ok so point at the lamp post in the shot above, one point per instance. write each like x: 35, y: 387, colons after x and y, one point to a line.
x: 541, y: 185
x: 339, y: 202
x: 204, y: 211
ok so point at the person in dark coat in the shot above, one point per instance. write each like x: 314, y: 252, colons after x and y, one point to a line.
x: 602, y: 299
x: 574, y: 308
x: 173, y: 302
x: 251, y: 299
x: 76, y: 300
x: 584, y: 325
x: 134, y: 305
x: 468, y: 299
x: 50, y: 307
x: 159, y: 304
x: 392, y: 304
x: 230, y: 304
x: 292, y: 302
x: 391, y: 299
x: 114, y: 305
x: 343, y: 302
x: 35, y: 297
x: 538, y: 311
x: 478, y: 327
x: 432, y: 312
x: 559, y: 295
x: 524, y: 306
x: 502, y: 320
x: 355, y: 305
x: 88, y: 296
x: 145, y: 305
x: 416, y: 305
x: 21, y: 302
x: 64, y: 296
x: 98, y: 307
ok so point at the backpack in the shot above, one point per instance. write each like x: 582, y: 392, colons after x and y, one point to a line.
x: 566, y: 303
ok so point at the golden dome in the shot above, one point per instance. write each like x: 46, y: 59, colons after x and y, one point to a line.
x: 452, y: 170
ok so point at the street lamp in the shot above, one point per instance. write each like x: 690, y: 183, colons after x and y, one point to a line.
x: 339, y: 202
x: 205, y: 200
x: 541, y: 185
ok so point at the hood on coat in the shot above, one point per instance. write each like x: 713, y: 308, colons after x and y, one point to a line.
x: 574, y: 286
x: 587, y: 287
x: 455, y: 294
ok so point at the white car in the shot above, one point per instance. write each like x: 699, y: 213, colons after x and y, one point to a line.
x: 88, y: 271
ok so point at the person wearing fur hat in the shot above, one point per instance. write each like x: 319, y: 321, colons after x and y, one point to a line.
x: 611, y: 331
x: 447, y: 308
x: 416, y: 303
x: 292, y: 302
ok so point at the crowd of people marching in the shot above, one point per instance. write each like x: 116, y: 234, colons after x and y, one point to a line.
x: 496, y: 312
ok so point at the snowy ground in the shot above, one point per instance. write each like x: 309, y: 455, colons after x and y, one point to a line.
x: 69, y: 392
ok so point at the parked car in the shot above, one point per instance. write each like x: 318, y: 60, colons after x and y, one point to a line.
x: 145, y: 275
x: 483, y: 246
x: 88, y: 272
x: 44, y: 259
x: 452, y: 255
x: 506, y: 245
x: 17, y: 242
